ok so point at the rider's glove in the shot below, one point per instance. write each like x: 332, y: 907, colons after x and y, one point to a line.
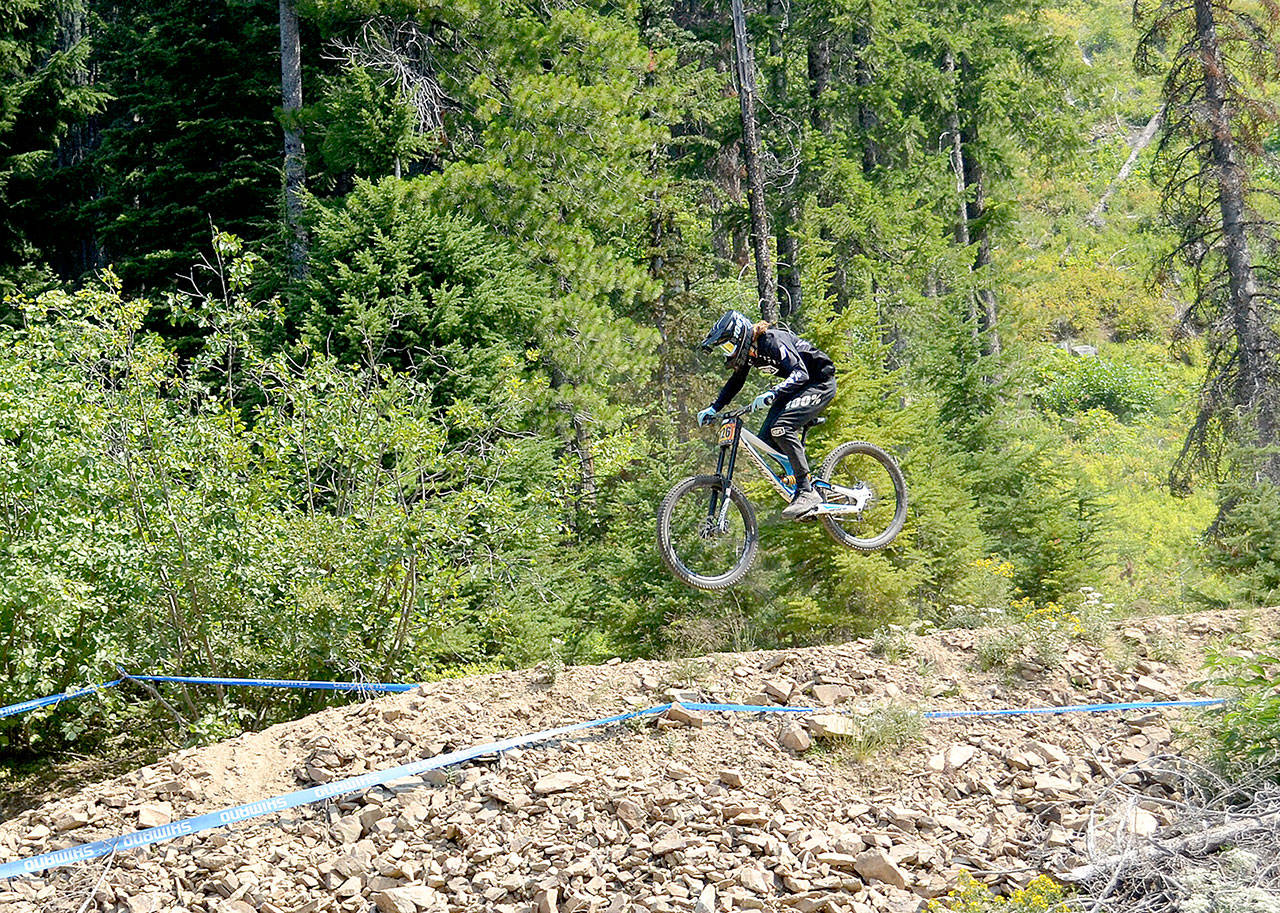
x: 707, y: 416
x: 762, y: 401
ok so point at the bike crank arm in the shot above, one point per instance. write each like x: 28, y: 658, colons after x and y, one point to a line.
x: 858, y: 498
x: 840, y: 510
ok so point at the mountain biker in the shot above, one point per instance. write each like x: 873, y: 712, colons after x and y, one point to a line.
x: 808, y: 386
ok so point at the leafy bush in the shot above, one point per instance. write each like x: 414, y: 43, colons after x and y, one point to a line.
x: 893, y: 642
x: 1038, y: 633
x: 1071, y: 385
x: 1045, y: 515
x: 986, y: 588
x: 1248, y: 730
x: 242, y: 513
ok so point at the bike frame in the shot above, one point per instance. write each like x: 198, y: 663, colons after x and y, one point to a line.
x: 733, y: 434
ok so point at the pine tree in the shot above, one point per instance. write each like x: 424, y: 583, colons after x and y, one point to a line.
x: 189, y: 138
x: 1223, y: 54
x: 45, y: 96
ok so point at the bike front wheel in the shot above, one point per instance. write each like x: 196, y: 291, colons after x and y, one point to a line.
x: 867, y: 479
x: 707, y: 543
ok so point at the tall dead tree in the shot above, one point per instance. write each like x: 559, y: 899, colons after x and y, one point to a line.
x: 1222, y: 50
x: 789, y: 210
x: 746, y: 77
x: 295, y: 161
x: 972, y: 229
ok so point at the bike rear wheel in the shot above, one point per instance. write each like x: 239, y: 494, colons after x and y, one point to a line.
x: 705, y: 550
x: 859, y: 472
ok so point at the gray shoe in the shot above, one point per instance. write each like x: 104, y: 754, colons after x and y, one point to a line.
x: 804, y: 502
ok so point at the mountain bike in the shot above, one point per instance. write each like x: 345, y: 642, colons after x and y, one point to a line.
x: 707, y: 531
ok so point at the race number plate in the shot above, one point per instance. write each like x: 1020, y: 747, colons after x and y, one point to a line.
x: 726, y: 432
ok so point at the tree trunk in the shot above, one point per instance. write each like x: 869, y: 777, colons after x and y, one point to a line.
x: 789, y: 210
x: 980, y: 235
x: 755, y: 173
x: 80, y: 137
x: 971, y: 227
x: 862, y: 77
x: 295, y: 162
x: 789, y: 293
x: 819, y: 66
x: 1254, y: 377
x: 586, y: 460
x: 958, y: 169
x: 727, y: 240
x: 957, y: 160
x: 663, y: 236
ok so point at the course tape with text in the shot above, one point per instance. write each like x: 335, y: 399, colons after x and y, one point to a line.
x: 166, y: 832
x: 37, y: 702
x: 278, y: 683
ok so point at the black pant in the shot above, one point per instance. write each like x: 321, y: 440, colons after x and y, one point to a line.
x: 786, y: 420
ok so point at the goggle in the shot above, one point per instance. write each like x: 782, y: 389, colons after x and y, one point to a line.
x: 729, y: 348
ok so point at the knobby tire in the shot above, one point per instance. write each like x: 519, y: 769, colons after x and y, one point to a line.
x: 832, y: 524
x: 701, y: 487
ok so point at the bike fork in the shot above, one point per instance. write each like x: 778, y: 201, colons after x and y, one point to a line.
x: 720, y: 516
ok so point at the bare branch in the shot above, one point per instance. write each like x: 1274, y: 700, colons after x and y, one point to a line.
x: 401, y: 51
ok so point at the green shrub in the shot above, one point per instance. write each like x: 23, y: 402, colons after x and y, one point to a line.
x: 397, y: 282
x: 1041, y: 510
x: 892, y: 642
x: 985, y: 589
x: 1244, y: 544
x: 241, y: 513
x: 1039, y: 633
x: 1001, y: 649
x: 1071, y: 385
x: 1248, y: 730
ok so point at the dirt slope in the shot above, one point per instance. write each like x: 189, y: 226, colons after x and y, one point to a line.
x: 729, y: 813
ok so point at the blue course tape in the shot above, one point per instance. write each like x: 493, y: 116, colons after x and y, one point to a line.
x: 277, y: 683
x: 211, y: 820
x: 1075, y: 708
x: 38, y: 702
x: 957, y: 714
x: 166, y: 832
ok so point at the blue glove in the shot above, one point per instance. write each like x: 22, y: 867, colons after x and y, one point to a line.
x: 762, y: 401
x: 707, y: 416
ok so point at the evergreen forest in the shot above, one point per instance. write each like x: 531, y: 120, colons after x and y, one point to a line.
x: 360, y: 340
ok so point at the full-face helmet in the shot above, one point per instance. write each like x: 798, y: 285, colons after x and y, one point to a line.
x: 732, y: 333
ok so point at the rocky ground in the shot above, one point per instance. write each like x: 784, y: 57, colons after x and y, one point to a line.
x: 694, y: 811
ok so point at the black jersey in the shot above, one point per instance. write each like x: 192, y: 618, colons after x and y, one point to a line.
x: 782, y: 353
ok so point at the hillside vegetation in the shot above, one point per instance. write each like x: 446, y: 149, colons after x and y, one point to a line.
x: 383, y: 372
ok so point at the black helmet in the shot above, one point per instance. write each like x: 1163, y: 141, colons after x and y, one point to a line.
x: 733, y: 333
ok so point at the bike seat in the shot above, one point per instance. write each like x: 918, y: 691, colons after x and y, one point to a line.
x: 814, y: 422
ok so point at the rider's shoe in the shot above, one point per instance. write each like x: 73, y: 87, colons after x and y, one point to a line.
x: 806, y: 500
